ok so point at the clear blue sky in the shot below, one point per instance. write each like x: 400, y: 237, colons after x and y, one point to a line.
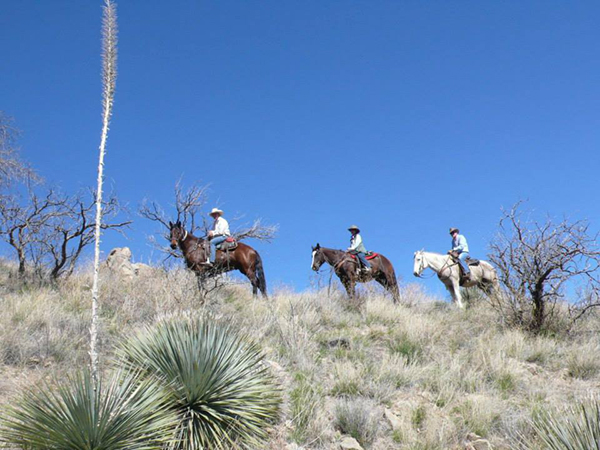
x: 404, y: 117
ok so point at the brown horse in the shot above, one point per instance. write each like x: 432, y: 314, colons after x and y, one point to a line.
x: 195, y: 252
x: 346, y: 268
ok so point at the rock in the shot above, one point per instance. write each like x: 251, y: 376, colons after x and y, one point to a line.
x: 481, y: 444
x: 475, y: 442
x: 340, y: 342
x: 119, y: 262
x: 142, y: 270
x: 349, y: 443
x: 393, y: 419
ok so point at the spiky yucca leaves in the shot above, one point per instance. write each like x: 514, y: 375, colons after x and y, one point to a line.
x: 578, y: 428
x: 117, y: 415
x: 216, y: 382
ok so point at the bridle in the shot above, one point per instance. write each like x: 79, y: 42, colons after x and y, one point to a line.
x: 422, y: 268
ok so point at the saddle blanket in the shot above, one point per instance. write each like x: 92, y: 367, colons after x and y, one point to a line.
x: 370, y: 255
x: 228, y: 244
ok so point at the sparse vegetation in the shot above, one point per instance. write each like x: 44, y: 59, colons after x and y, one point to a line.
x: 463, y: 374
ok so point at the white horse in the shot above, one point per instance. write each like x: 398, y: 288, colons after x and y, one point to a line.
x: 483, y: 275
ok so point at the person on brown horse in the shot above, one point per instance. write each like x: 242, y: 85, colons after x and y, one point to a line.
x: 358, y: 248
x: 461, y: 249
x: 218, y: 233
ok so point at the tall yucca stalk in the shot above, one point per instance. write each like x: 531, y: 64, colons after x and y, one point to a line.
x: 576, y: 428
x: 80, y: 413
x: 215, y: 381
x: 109, y: 77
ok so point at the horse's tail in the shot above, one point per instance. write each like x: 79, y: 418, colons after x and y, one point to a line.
x: 259, y: 275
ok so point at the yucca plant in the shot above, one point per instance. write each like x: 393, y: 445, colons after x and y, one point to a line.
x: 577, y: 428
x: 81, y: 414
x: 216, y: 382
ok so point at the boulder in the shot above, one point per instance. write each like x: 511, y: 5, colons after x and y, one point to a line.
x: 349, y: 443
x: 119, y: 263
x: 393, y: 419
x: 142, y: 270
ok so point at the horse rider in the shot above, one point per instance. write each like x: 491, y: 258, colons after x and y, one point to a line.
x: 358, y: 248
x: 218, y: 233
x: 460, y: 246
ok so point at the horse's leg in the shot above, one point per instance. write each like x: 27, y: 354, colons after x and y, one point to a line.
x: 349, y: 284
x: 389, y: 283
x: 201, y: 288
x: 455, y: 291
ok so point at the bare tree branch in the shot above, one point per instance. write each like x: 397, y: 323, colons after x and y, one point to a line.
x: 538, y: 261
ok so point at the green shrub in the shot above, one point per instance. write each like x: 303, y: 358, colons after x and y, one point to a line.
x: 577, y: 428
x: 353, y: 417
x: 304, y: 401
x: 78, y: 414
x: 215, y: 381
x: 404, y: 346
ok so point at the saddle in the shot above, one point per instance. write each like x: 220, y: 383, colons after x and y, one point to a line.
x: 228, y: 244
x: 370, y: 255
x: 470, y: 262
x: 360, y: 268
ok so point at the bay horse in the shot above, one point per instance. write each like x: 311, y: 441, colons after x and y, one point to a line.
x: 483, y: 275
x: 346, y: 268
x: 196, y: 250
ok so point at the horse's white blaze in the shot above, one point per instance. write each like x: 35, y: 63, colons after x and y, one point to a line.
x: 417, y: 267
x: 312, y: 264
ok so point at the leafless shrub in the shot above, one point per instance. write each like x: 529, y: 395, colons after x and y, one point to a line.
x: 12, y: 168
x: 49, y: 230
x: 537, y: 261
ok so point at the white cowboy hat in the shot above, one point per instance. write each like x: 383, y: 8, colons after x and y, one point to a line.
x: 215, y: 211
x: 353, y: 227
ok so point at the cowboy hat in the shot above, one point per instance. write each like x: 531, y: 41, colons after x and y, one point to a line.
x: 452, y: 230
x: 353, y: 227
x: 215, y: 211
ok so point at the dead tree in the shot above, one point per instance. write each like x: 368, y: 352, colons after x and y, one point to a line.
x: 12, y: 168
x: 538, y: 262
x: 49, y: 230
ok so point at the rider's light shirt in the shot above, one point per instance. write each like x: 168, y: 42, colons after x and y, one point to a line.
x: 356, y: 244
x: 220, y: 227
x: 460, y: 244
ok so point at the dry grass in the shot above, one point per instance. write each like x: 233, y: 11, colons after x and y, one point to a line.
x: 441, y: 372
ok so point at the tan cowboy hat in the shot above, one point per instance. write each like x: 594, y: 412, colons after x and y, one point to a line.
x: 452, y: 230
x: 215, y: 211
x: 354, y: 227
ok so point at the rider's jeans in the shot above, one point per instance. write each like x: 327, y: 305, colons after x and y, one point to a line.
x: 363, y: 259
x: 463, y: 264
x: 213, y: 246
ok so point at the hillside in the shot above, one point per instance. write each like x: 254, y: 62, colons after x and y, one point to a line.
x: 418, y: 375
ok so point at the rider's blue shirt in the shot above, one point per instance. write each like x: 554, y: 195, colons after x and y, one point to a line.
x: 460, y: 244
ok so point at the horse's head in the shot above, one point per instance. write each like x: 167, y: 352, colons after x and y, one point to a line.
x: 177, y: 233
x: 317, y: 258
x: 420, y: 263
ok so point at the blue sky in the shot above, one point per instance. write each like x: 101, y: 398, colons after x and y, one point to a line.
x: 404, y: 117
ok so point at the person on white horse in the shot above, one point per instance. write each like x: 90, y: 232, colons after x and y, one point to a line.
x: 461, y: 248
x: 358, y: 248
x: 218, y: 233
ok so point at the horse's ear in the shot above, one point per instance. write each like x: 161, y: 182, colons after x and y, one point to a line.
x: 178, y: 223
x: 170, y: 224
x: 318, y: 246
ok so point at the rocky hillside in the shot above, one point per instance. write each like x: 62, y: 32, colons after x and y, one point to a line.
x: 369, y: 374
